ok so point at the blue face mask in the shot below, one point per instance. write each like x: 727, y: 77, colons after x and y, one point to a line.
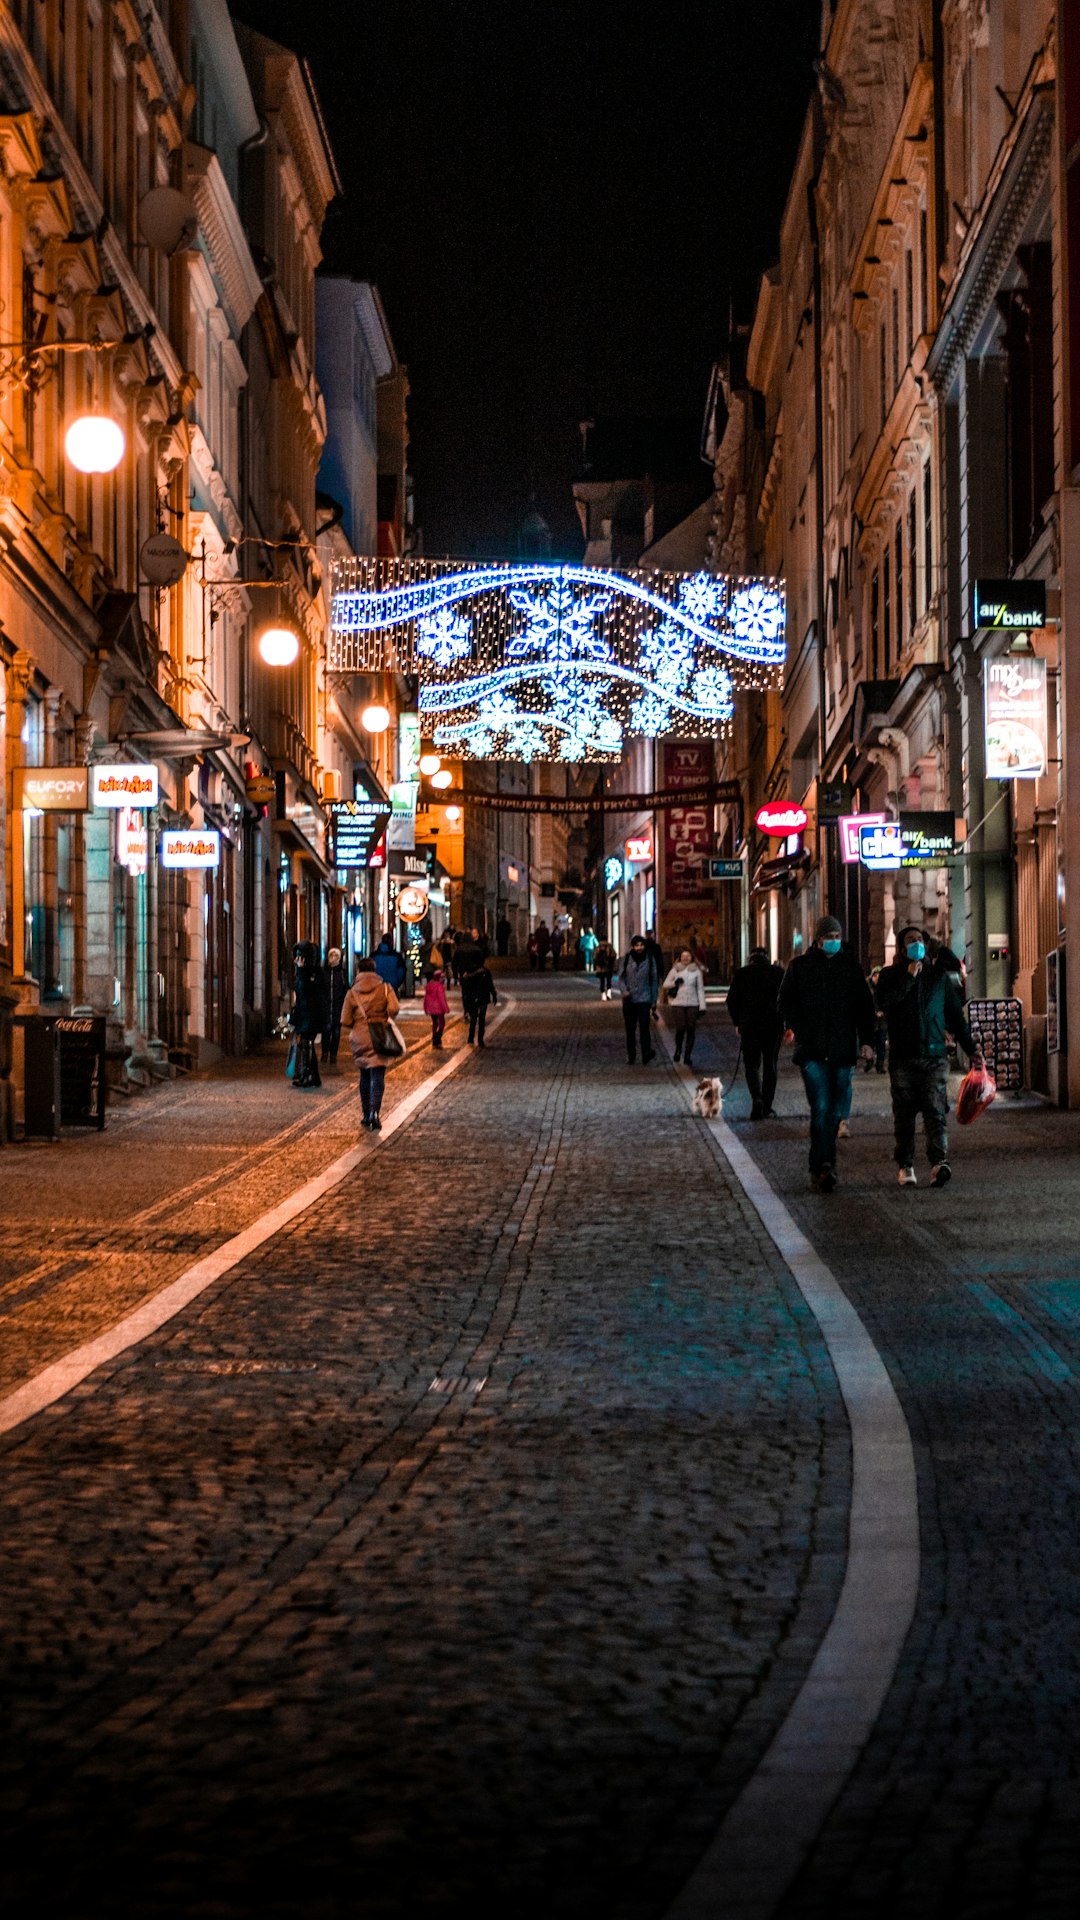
x: 830, y: 947
x: 915, y: 949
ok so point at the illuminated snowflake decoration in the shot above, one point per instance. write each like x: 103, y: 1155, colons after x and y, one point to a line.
x: 712, y: 692
x: 559, y: 626
x: 443, y: 637
x: 525, y: 741
x: 609, y: 736
x: 702, y: 596
x: 650, y: 716
x: 757, y: 613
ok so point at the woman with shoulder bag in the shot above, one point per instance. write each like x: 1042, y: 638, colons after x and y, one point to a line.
x: 367, y: 1017
x: 684, y: 991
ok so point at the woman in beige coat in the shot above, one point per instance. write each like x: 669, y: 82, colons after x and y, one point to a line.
x: 369, y: 998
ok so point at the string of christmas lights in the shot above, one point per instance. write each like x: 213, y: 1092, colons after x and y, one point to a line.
x: 529, y: 661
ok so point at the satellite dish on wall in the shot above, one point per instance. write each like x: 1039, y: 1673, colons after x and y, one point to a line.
x: 163, y: 560
x: 167, y: 219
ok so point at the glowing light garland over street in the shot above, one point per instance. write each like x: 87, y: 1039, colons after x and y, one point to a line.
x: 528, y: 661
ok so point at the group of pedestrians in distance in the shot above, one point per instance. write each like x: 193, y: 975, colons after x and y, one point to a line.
x: 825, y: 1002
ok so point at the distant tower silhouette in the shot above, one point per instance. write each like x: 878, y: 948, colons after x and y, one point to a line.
x: 534, y: 534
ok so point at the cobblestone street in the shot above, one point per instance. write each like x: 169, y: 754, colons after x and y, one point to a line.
x: 465, y: 1546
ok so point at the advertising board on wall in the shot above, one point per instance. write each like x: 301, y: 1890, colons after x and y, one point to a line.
x: 357, y: 828
x: 1014, y: 706
x: 687, y: 899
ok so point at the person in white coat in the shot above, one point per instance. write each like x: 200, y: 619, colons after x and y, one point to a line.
x: 684, y: 992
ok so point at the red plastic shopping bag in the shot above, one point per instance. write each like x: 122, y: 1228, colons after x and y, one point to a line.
x: 977, y: 1089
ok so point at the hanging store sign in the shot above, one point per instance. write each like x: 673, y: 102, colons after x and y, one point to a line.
x: 1019, y: 605
x: 125, y: 786
x: 52, y: 789
x: 639, y: 849
x: 191, y: 847
x: 781, y: 818
x: 357, y: 827
x: 613, y: 872
x: 1014, y: 704
x: 412, y: 904
x: 915, y: 840
x: 401, y: 833
x: 850, y: 825
x: 408, y: 746
x: 132, y: 840
x: 529, y: 661
x: 726, y: 869
x: 929, y: 836
x: 882, y: 848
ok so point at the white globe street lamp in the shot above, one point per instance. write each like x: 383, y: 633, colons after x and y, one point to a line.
x: 279, y: 646
x: 453, y: 814
x: 94, y: 443
x: 444, y: 778
x: 430, y: 763
x: 375, y: 719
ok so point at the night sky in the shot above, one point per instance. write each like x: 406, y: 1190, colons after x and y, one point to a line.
x: 559, y: 203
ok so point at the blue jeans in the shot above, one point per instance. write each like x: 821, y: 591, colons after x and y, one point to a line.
x: 372, y: 1082
x: 828, y: 1091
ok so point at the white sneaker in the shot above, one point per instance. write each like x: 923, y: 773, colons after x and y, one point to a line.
x: 843, y: 1131
x: 906, y: 1177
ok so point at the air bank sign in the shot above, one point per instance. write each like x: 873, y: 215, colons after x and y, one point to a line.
x: 1017, y: 606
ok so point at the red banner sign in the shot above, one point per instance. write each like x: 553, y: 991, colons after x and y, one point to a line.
x: 780, y: 818
x: 688, y: 830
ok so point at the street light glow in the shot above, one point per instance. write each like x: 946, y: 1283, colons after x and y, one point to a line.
x: 279, y: 646
x: 375, y: 719
x: 94, y: 443
x: 444, y: 778
x: 430, y: 763
x: 453, y: 813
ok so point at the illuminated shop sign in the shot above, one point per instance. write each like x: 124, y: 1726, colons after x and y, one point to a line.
x: 639, y: 849
x: 125, y: 786
x: 191, y: 847
x: 1018, y: 605
x: 849, y: 825
x: 51, y: 789
x: 357, y: 829
x: 613, y: 872
x: 780, y: 818
x: 132, y: 840
x: 1014, y: 704
x: 915, y: 840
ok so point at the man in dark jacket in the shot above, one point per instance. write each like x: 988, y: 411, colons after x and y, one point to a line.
x: 752, y: 1003
x: 337, y: 984
x: 477, y: 993
x: 310, y: 1012
x: 389, y: 964
x: 921, y: 1000
x: 639, y: 985
x: 826, y: 1001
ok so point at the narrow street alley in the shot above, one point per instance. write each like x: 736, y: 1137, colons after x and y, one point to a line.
x: 468, y: 1542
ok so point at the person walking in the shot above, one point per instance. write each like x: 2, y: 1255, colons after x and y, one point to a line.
x: 656, y: 954
x: 477, y: 995
x: 436, y: 1006
x: 531, y: 948
x: 310, y: 1012
x: 605, y: 961
x: 639, y: 987
x: 825, y: 1000
x: 558, y: 941
x: 684, y: 990
x: 389, y: 964
x: 503, y: 931
x: 921, y: 1000
x: 588, y: 944
x: 543, y: 945
x: 752, y: 1003
x: 369, y: 998
x: 337, y: 986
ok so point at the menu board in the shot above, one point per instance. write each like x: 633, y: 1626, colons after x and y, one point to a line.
x: 356, y: 827
x: 998, y: 1026
x: 1014, y: 694
x: 82, y: 1070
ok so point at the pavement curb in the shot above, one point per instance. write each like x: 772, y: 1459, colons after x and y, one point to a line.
x: 768, y: 1833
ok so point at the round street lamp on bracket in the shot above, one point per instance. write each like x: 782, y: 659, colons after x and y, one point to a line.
x: 278, y: 646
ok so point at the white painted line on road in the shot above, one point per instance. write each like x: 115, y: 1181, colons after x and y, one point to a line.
x: 53, y: 1382
x: 769, y: 1831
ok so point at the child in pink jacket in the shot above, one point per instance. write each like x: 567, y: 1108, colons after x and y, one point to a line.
x: 437, y: 1005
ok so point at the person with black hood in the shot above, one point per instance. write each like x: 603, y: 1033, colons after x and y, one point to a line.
x: 752, y: 1002
x: 310, y: 1014
x: 639, y: 985
x: 337, y: 986
x: 825, y: 1000
x: 477, y: 993
x: 921, y: 999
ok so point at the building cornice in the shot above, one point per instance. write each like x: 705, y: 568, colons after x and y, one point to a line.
x: 226, y: 242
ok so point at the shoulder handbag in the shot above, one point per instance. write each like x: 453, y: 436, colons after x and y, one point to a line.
x: 386, y: 1038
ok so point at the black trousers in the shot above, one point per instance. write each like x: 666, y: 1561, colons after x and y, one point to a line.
x: 920, y: 1086
x: 760, y: 1051
x: 637, y: 1017
x: 477, y: 1021
x: 684, y: 1020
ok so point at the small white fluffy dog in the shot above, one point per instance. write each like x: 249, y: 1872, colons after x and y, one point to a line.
x: 708, y: 1098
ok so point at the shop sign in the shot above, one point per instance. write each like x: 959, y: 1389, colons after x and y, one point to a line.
x: 412, y: 904
x: 191, y: 847
x: 125, y: 786
x: 1019, y: 605
x: 613, y: 872
x: 929, y: 836
x: 1014, y: 703
x: 639, y: 849
x: 377, y: 857
x: 261, y: 789
x: 412, y: 865
x: 833, y: 801
x: 52, y: 789
x: 781, y: 818
x: 357, y: 829
x: 408, y: 747
x: 882, y: 848
x: 849, y: 825
x: 401, y: 833
x: 726, y: 869
x: 132, y: 840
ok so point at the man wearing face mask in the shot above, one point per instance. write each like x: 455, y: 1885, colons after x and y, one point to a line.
x: 920, y: 998
x: 826, y: 1002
